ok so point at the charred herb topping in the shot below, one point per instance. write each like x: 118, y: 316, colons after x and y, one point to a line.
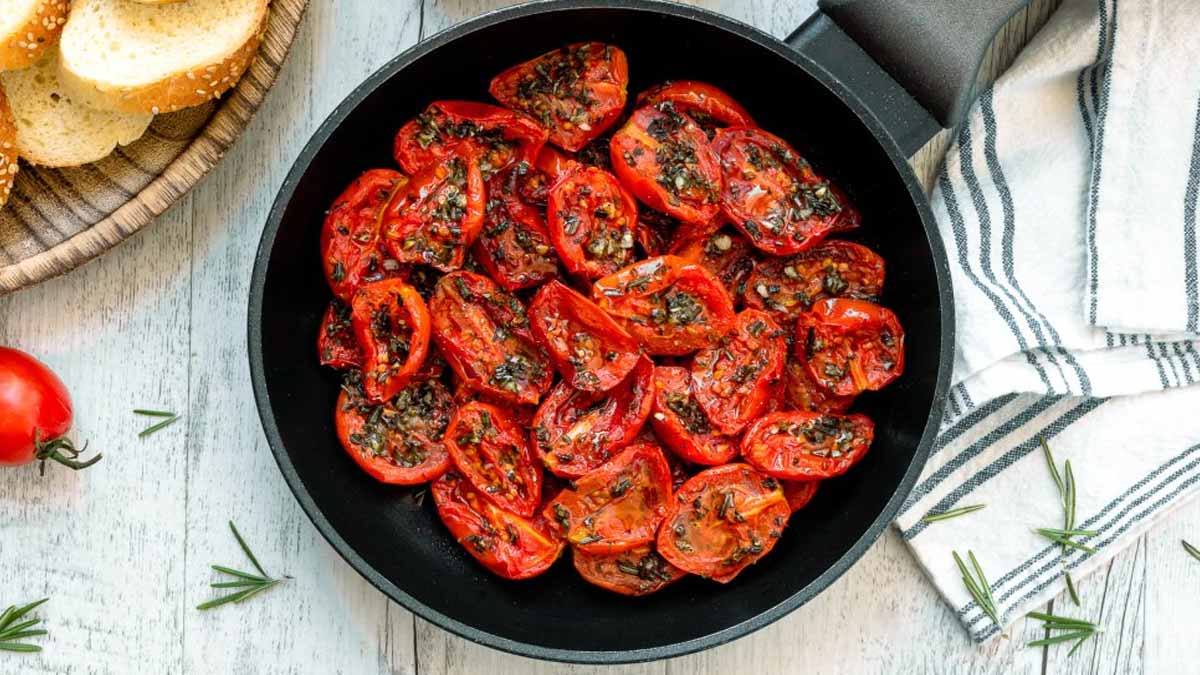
x: 676, y: 157
x: 689, y: 413
x: 650, y: 568
x: 398, y: 429
x: 556, y: 87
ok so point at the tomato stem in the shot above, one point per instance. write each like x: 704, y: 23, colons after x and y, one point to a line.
x: 64, y: 452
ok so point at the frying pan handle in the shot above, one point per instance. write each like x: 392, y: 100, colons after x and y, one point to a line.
x: 913, y: 62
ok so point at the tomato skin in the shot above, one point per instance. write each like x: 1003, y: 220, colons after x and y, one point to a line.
x: 577, y: 431
x: 709, y: 106
x: 350, y: 250
x: 723, y: 520
x: 799, y: 492
x: 389, y: 316
x: 592, y: 220
x: 617, y: 505
x: 398, y: 442
x: 725, y: 253
x: 735, y: 381
x: 551, y: 86
x: 492, y: 451
x: 636, y: 572
x: 682, y: 425
x: 484, y: 335
x: 851, y: 345
x: 801, y: 391
x: 499, y: 136
x: 788, y: 287
x: 509, y: 545
x: 434, y: 217
x: 664, y: 158
x: 772, y: 194
x: 807, y: 446
x: 336, y: 344
x: 670, y: 306
x: 35, y: 408
x: 588, y: 347
x: 514, y: 246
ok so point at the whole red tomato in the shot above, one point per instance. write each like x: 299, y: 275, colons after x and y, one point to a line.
x: 35, y: 414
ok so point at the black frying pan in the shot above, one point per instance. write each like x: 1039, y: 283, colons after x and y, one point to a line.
x: 822, y: 92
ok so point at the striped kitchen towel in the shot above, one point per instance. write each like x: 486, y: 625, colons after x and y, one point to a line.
x: 1068, y: 206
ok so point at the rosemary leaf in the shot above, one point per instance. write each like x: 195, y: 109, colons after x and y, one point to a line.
x: 1076, y: 647
x: 20, y: 635
x: 1061, y: 620
x: 1062, y: 490
x: 1069, y: 533
x: 1065, y: 541
x: 952, y: 513
x: 18, y: 647
x: 235, y: 584
x: 13, y: 629
x: 1071, y: 589
x: 1078, y: 630
x: 249, y: 554
x: 250, y: 585
x: 979, y: 588
x: 1056, y: 639
x: 154, y: 413
x: 1070, y: 515
x: 1195, y: 552
x: 238, y: 573
x: 158, y: 427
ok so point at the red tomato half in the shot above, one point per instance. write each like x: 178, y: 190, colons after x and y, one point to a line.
x: 350, y: 249
x: 801, y: 391
x: 726, y: 254
x: 514, y: 246
x: 735, y: 381
x: 682, y: 425
x: 807, y: 446
x: 710, y: 107
x: 671, y: 306
x: 638, y: 571
x: 576, y: 92
x: 507, y: 544
x: 500, y: 137
x: 587, y: 346
x: 592, y: 220
x: 484, y: 335
x: 787, y: 287
x: 665, y: 159
x: 438, y: 214
x: 577, y: 431
x: 336, y: 345
x: 799, y: 492
x: 400, y: 441
x: 851, y: 345
x: 723, y: 520
x: 391, y: 323
x: 492, y: 451
x: 616, y: 506
x: 772, y: 194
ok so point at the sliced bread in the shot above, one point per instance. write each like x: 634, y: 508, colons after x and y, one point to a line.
x: 134, y: 57
x: 8, y: 149
x: 27, y: 29
x: 53, y: 129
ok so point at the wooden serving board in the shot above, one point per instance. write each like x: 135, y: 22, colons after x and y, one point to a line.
x: 59, y: 219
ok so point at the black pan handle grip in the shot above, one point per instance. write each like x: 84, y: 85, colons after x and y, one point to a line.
x: 900, y: 54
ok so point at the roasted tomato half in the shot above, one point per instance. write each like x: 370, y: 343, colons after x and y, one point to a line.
x: 666, y: 161
x: 484, y: 335
x: 514, y: 246
x: 772, y: 194
x: 616, y: 506
x: 507, y: 544
x: 799, y: 492
x: 335, y: 343
x: 710, y: 107
x: 438, y: 214
x: 350, y: 250
x: 500, y: 137
x: 638, y: 571
x: 576, y: 92
x: 807, y: 446
x: 723, y: 519
x: 788, y: 287
x: 682, y: 425
x: 399, y: 441
x: 726, y: 254
x: 577, y: 431
x: 492, y: 450
x: 669, y: 305
x: 391, y: 324
x: 735, y: 381
x: 801, y: 391
x: 592, y: 220
x: 851, y: 345
x: 587, y: 346
x: 656, y: 231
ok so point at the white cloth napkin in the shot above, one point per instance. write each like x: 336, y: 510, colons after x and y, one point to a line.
x: 1068, y: 206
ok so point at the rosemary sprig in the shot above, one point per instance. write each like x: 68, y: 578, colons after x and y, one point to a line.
x: 12, y: 630
x: 952, y: 513
x: 1076, y: 630
x: 169, y: 418
x: 1066, y: 494
x: 978, y: 586
x: 249, y: 584
x: 1071, y: 590
x: 1192, y: 550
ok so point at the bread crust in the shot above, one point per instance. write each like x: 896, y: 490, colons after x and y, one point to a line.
x: 202, y: 83
x: 8, y: 149
x: 25, y: 45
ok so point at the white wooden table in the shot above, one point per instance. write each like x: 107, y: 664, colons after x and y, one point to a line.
x: 123, y: 549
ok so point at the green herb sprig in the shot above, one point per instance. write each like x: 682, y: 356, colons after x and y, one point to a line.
x: 978, y: 586
x: 249, y: 585
x: 1069, y: 629
x: 1192, y: 550
x: 1066, y: 494
x: 168, y: 418
x: 12, y: 629
x: 952, y: 513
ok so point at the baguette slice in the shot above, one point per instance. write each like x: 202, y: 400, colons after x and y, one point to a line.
x: 8, y: 149
x: 27, y: 29
x: 134, y: 57
x: 53, y: 129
